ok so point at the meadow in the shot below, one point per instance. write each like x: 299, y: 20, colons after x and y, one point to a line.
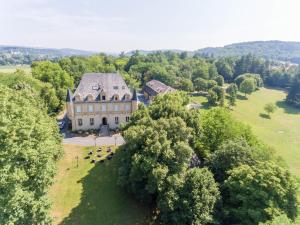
x: 281, y: 131
x: 13, y: 68
x: 89, y: 194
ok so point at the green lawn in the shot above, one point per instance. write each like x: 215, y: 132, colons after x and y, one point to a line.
x: 89, y: 195
x: 282, y: 131
x: 13, y: 68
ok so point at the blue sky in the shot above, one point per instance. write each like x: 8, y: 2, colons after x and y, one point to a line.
x: 123, y: 25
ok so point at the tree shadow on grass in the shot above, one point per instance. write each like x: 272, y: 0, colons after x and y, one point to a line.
x: 287, y: 108
x: 241, y: 97
x: 265, y: 116
x: 104, y: 202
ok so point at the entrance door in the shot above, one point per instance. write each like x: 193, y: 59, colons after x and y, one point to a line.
x: 104, y: 121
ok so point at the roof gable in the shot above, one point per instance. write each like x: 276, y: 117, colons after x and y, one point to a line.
x: 154, y: 87
x: 108, y: 84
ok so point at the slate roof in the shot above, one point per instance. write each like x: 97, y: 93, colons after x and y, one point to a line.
x: 69, y: 96
x: 96, y: 83
x: 155, y: 87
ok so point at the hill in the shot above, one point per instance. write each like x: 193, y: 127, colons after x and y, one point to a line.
x: 12, y: 55
x: 277, y: 50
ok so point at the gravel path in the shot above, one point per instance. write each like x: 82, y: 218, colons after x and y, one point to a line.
x: 92, y: 139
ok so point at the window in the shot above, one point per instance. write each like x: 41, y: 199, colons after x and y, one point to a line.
x: 116, y: 120
x: 90, y: 108
x: 127, y: 119
x: 90, y: 97
x: 127, y: 97
x: 116, y: 87
x: 91, y: 121
x: 77, y: 98
x: 127, y: 107
x: 116, y: 108
x: 103, y: 97
x: 78, y: 108
x: 103, y: 108
x: 80, y: 122
x: 116, y: 97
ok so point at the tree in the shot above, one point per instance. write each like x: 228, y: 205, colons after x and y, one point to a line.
x: 254, y: 194
x: 219, y: 126
x: 230, y: 154
x: 220, y: 80
x: 52, y: 73
x: 258, y: 82
x: 270, y: 108
x: 45, y: 91
x: 293, y: 97
x: 279, y: 220
x: 200, y: 84
x: 212, y: 98
x: 232, y: 90
x: 155, y: 150
x: 211, y: 84
x: 225, y: 69
x: 189, y: 198
x: 220, y: 93
x: 30, y: 146
x: 247, y: 86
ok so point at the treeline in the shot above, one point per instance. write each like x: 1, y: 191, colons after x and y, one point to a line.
x: 206, y: 168
x: 30, y: 146
x: 175, y: 69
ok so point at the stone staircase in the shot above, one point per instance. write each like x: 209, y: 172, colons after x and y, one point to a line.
x: 104, y: 131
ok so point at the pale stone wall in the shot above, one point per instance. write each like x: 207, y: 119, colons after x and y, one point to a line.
x: 99, y: 110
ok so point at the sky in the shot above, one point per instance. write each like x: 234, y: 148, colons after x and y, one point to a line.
x: 124, y: 25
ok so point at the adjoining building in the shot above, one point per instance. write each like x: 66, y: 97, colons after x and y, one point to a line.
x: 101, y: 99
x: 155, y: 87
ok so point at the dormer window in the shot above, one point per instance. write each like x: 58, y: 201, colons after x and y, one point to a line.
x: 127, y: 97
x: 77, y: 98
x: 103, y: 98
x: 90, y: 97
x: 116, y: 97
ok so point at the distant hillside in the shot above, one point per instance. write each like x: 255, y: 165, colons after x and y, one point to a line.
x: 278, y: 50
x: 146, y: 52
x: 11, y: 55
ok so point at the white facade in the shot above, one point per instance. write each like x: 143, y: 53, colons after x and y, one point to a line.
x: 91, y: 115
x: 100, y: 99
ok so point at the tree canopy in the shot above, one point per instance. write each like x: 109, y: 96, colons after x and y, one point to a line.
x: 30, y: 146
x: 254, y: 194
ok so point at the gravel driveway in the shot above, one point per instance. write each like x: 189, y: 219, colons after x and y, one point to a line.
x: 91, y: 140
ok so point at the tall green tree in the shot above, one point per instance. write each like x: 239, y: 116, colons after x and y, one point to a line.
x: 30, y: 146
x: 189, y: 198
x: 247, y: 86
x: 219, y: 126
x: 254, y: 194
x: 293, y: 97
x: 230, y: 154
x: 52, y: 73
x: 232, y: 90
x: 155, y: 150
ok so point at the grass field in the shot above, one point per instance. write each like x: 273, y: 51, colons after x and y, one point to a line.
x: 282, y: 131
x: 11, y: 69
x: 89, y: 195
